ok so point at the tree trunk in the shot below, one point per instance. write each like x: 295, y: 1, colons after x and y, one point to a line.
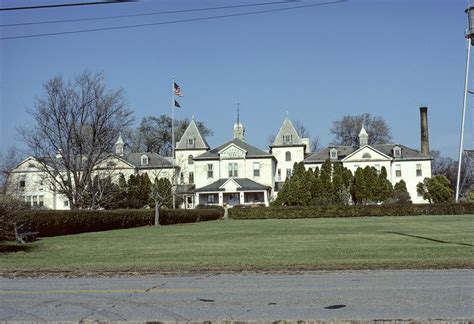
x: 157, y: 214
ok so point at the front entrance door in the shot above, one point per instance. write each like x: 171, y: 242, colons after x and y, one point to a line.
x: 232, y: 199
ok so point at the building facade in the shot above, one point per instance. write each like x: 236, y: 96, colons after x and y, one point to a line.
x: 235, y: 172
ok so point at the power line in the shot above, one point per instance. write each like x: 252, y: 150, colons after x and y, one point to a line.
x: 147, y: 14
x: 66, y: 5
x: 173, y: 21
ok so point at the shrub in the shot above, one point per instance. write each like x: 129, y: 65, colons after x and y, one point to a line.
x: 57, y: 222
x: 10, y: 207
x: 179, y: 216
x: 350, y: 211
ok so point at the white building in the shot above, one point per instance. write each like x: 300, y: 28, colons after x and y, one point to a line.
x: 235, y: 172
x: 401, y: 162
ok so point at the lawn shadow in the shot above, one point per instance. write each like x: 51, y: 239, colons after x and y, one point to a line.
x: 430, y: 239
x: 9, y: 247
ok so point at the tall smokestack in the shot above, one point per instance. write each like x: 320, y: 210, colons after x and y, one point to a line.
x: 425, y: 142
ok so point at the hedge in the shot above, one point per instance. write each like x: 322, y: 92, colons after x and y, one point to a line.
x: 350, y: 211
x: 58, y: 222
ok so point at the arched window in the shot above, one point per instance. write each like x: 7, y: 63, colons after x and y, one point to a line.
x: 333, y: 154
x: 288, y: 156
x: 397, y: 152
x: 190, y: 159
x: 366, y: 155
x: 144, y: 159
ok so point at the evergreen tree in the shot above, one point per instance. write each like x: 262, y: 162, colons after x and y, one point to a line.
x: 327, y: 190
x: 399, y: 194
x: 436, y: 189
x: 384, y: 186
x: 316, y: 188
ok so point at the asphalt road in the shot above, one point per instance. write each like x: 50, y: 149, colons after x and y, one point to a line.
x: 358, y: 295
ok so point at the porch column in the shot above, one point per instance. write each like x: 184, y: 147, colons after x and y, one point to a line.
x: 265, y: 198
x: 241, y: 198
x: 221, y: 198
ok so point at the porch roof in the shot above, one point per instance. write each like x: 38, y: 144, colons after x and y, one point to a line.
x: 244, y: 184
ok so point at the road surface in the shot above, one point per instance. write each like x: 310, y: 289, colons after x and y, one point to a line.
x: 360, y: 295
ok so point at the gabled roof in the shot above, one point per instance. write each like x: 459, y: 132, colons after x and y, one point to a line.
x: 192, y: 131
x: 252, y: 151
x: 380, y: 155
x: 386, y: 149
x: 243, y: 183
x: 287, y: 128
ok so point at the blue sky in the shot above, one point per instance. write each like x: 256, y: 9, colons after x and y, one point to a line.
x: 382, y: 57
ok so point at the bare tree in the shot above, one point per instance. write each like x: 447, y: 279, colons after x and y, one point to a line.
x: 346, y: 131
x: 8, y: 159
x: 76, y: 124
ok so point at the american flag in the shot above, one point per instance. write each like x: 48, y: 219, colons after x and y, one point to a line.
x: 177, y: 90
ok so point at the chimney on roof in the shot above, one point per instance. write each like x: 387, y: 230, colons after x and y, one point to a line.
x: 425, y: 143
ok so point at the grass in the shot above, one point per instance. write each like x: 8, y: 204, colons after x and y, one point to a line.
x: 417, y: 242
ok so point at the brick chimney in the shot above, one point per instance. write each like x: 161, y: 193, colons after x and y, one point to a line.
x: 425, y: 143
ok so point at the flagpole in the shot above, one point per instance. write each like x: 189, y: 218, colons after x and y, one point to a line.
x: 172, y: 142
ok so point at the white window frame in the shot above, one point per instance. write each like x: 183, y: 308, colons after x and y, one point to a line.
x: 191, y: 177
x: 210, y: 171
x: 288, y: 172
x: 398, y: 170
x: 233, y: 170
x: 256, y: 169
x: 419, y: 172
x: 144, y: 160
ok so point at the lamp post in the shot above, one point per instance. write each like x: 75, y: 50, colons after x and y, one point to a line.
x: 470, y: 41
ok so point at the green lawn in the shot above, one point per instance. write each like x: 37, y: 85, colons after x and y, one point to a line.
x: 277, y: 245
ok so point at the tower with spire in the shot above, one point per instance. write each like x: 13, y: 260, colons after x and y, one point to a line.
x: 363, y: 137
x: 119, y: 145
x: 239, y: 130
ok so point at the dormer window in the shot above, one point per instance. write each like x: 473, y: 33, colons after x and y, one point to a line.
x: 397, y: 152
x: 191, y: 142
x: 287, y: 139
x: 333, y: 154
x: 144, y: 160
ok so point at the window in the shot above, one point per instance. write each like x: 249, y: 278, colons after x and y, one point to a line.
x: 418, y: 170
x: 397, y: 151
x: 191, y: 177
x: 256, y: 169
x: 111, y: 164
x: 366, y: 156
x: 288, y: 173
x: 288, y: 156
x: 279, y: 174
x: 182, y: 177
x: 41, y: 201
x: 288, y: 139
x: 66, y: 203
x: 190, y: 159
x: 22, y: 183
x: 333, y: 154
x: 356, y: 166
x: 210, y: 199
x: 35, y: 200
x: 210, y: 171
x: 398, y: 170
x: 144, y: 160
x: 190, y: 142
x: 233, y: 170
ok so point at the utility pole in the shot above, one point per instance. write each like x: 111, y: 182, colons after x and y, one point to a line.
x: 470, y: 39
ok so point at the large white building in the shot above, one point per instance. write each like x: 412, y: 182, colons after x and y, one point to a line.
x: 236, y: 172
